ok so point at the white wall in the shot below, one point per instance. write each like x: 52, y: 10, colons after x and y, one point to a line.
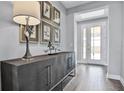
x: 115, y: 31
x: 9, y: 34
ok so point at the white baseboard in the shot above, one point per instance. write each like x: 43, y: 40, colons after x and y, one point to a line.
x: 116, y: 77
x: 122, y: 81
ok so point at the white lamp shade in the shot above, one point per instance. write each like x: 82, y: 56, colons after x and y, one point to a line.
x: 24, y: 9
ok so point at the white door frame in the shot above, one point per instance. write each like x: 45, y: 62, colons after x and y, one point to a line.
x: 104, y: 35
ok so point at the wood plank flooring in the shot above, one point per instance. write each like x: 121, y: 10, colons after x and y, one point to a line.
x: 92, y: 78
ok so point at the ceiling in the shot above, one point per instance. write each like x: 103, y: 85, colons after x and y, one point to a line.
x: 70, y: 4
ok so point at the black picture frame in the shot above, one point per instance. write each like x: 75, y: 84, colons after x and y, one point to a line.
x: 45, y: 32
x: 56, y: 16
x: 34, y: 38
x: 46, y: 10
x: 56, y: 35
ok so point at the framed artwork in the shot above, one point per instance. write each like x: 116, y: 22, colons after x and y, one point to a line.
x: 56, y: 16
x: 46, y: 32
x: 33, y: 37
x: 56, y: 35
x: 46, y: 10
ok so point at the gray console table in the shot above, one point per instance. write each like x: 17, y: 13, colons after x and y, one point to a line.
x: 41, y: 73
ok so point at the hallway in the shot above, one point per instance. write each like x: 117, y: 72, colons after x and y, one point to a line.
x: 92, y: 78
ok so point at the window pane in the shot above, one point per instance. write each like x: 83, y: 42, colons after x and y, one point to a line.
x: 95, y: 42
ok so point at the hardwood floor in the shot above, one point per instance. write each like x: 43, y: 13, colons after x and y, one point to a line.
x: 92, y: 78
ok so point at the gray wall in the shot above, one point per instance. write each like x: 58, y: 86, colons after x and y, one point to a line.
x: 70, y: 32
x: 9, y: 34
x: 122, y: 66
x: 9, y: 37
x: 115, y: 31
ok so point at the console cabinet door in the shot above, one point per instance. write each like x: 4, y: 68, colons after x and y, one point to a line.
x: 73, y: 60
x: 70, y: 62
x: 53, y: 74
x: 59, y: 69
x: 35, y: 76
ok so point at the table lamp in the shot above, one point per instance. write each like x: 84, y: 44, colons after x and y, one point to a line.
x: 26, y: 13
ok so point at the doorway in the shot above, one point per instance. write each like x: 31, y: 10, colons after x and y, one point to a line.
x: 93, y: 42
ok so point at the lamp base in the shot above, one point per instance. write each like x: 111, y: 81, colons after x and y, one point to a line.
x: 27, y: 60
x: 27, y: 55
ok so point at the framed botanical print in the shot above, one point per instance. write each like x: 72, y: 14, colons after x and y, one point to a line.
x: 46, y: 10
x: 46, y: 32
x: 56, y: 16
x: 56, y: 34
x: 33, y: 37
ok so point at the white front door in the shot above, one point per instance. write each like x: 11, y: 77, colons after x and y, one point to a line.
x: 94, y: 43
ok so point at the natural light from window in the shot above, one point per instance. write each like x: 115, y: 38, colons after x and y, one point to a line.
x: 96, y: 43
